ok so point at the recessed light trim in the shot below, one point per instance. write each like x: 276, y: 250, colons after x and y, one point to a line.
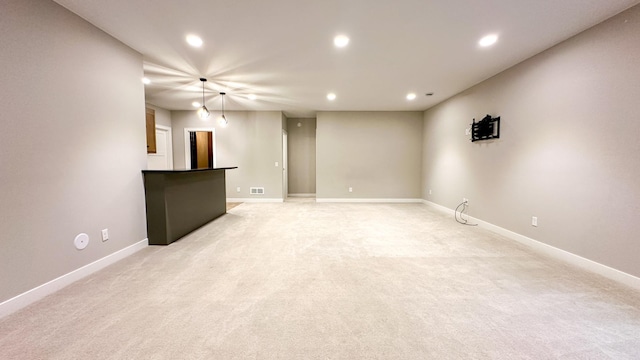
x: 146, y: 81
x: 341, y: 41
x: 411, y: 96
x: 488, y: 40
x: 194, y: 40
x: 331, y: 96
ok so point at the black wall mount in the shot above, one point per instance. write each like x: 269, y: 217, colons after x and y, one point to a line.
x: 485, y: 129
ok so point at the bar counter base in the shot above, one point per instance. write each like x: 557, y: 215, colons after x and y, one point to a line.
x: 180, y: 201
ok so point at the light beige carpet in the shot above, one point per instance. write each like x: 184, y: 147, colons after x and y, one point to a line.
x: 231, y: 205
x: 304, y: 280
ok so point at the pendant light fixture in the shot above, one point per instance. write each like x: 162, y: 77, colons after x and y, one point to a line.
x: 223, y: 119
x: 203, y: 112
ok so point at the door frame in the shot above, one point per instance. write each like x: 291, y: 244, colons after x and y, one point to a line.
x: 285, y: 165
x: 169, y: 153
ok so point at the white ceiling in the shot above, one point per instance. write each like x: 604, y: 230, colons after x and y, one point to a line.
x: 282, y: 50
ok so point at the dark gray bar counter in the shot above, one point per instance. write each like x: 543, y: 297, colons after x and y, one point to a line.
x: 180, y: 201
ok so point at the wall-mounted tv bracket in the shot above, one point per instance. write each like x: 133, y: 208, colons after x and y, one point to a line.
x: 485, y: 129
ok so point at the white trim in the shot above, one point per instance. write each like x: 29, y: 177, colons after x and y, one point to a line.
x: 169, y: 153
x: 187, y: 145
x: 285, y: 163
x: 365, y: 200
x: 554, y: 252
x: 302, y: 195
x: 256, y: 200
x: 439, y: 207
x: 29, y: 297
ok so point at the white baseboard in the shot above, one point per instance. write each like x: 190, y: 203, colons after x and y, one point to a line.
x: 27, y: 298
x: 364, y: 200
x: 439, y: 207
x: 255, y: 200
x: 554, y: 252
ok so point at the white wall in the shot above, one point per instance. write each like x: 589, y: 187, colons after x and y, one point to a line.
x: 378, y: 154
x: 568, y: 151
x: 252, y: 141
x: 72, y: 144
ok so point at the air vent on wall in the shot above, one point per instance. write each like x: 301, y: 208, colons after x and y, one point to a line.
x: 256, y: 191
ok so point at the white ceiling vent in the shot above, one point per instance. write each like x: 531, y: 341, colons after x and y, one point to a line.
x: 256, y: 191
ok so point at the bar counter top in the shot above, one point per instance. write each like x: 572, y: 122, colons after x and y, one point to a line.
x: 186, y: 170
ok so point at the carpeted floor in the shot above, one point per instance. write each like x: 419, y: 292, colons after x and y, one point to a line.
x: 231, y: 205
x: 306, y: 280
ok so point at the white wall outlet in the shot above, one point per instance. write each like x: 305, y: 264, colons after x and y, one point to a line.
x: 276, y: 164
x: 350, y: 189
x: 429, y: 191
x: 467, y: 131
x: 105, y: 234
x: 534, y: 221
x: 238, y: 189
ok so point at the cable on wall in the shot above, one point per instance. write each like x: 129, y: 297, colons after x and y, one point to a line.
x: 462, y: 220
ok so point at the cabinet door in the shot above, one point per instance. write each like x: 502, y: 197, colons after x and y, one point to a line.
x: 151, y: 131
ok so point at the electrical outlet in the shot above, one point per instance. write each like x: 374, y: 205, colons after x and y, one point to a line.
x: 238, y: 189
x: 105, y: 234
x: 276, y: 164
x: 534, y: 221
x: 429, y: 191
x: 350, y: 189
x: 467, y: 131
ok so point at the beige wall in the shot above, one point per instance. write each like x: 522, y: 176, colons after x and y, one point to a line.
x: 378, y: 154
x: 302, y: 155
x: 72, y: 144
x: 252, y: 142
x: 163, y: 116
x: 568, y: 151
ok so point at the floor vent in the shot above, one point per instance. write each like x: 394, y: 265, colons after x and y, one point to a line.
x: 256, y: 191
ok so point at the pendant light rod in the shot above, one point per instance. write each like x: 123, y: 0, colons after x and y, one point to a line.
x: 223, y: 119
x: 203, y: 81
x: 203, y: 112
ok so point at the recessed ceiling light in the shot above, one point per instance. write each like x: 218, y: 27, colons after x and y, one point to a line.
x: 196, y: 104
x: 194, y: 40
x: 331, y: 96
x: 252, y: 97
x: 146, y: 81
x: 411, y: 96
x: 341, y: 41
x: 488, y: 40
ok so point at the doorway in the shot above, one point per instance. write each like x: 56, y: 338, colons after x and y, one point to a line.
x: 201, y: 145
x: 200, y: 149
x: 301, y: 161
